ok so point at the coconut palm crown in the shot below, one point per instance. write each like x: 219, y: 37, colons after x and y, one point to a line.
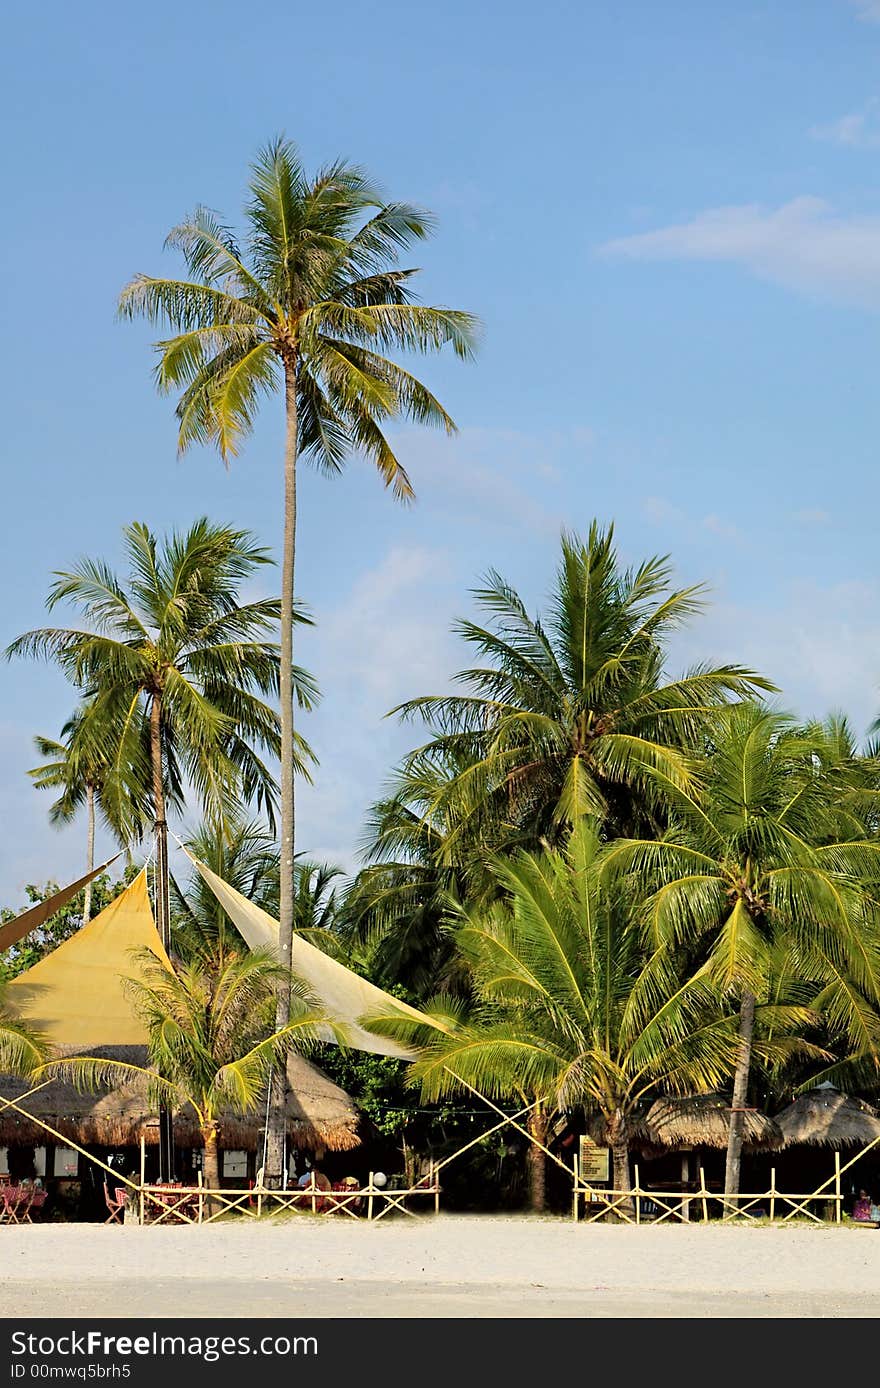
x: 172, y: 657
x: 753, y: 880
x: 570, y: 716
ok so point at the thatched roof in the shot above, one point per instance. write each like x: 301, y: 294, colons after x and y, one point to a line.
x: 319, y: 1113
x: 703, y: 1120
x: 827, y: 1118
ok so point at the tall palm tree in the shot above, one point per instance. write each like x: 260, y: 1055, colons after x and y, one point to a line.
x: 310, y: 304
x: 211, y: 1039
x: 753, y: 879
x: 570, y: 717
x: 175, y: 657
x: 573, y: 1011
x: 80, y: 766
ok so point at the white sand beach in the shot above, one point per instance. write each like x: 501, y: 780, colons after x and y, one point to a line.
x: 446, y: 1266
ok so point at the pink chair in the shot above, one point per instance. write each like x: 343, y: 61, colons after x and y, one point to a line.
x: 115, y: 1203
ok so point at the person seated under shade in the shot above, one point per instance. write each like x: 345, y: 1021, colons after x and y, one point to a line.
x: 863, y: 1209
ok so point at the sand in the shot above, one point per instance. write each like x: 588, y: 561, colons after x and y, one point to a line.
x: 445, y: 1266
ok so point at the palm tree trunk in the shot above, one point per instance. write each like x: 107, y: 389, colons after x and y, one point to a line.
x: 90, y: 851
x: 163, y: 902
x: 211, y: 1160
x: 622, y: 1181
x: 740, y: 1093
x: 537, y: 1160
x: 274, y: 1163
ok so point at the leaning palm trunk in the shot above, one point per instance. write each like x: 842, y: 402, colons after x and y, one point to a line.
x: 740, y: 1093
x: 90, y: 851
x: 275, y: 1134
x: 537, y: 1161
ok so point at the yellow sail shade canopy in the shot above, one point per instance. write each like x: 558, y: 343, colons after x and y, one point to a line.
x: 345, y: 997
x: 35, y: 916
x: 76, y: 996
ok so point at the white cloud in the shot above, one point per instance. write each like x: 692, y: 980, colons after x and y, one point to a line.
x: 858, y: 130
x: 387, y: 640
x: 820, y: 644
x: 494, y: 476
x: 722, y: 528
x: 663, y: 513
x: 867, y: 10
x: 803, y: 245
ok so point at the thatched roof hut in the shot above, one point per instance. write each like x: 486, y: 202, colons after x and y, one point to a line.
x: 703, y: 1120
x: 319, y: 1113
x: 825, y: 1117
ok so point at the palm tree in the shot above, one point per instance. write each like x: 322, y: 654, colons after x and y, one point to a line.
x: 245, y: 854
x: 21, y: 1048
x: 572, y: 1010
x: 754, y: 881
x: 573, y: 715
x: 398, y: 905
x: 176, y: 658
x: 80, y: 767
x: 310, y: 304
x: 211, y: 1040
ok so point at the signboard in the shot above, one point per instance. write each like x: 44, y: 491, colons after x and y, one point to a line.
x: 594, y: 1161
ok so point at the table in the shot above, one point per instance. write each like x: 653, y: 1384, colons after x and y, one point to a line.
x: 170, y: 1203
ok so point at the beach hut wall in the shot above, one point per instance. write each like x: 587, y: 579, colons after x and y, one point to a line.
x: 826, y: 1117
x: 319, y: 1114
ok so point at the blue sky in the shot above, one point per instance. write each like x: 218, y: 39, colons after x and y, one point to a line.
x: 668, y: 217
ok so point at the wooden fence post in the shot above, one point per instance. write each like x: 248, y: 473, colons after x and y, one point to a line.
x: 435, y: 1182
x: 143, y: 1177
x: 370, y: 1198
x: 838, y: 1215
x: 574, y: 1192
x: 772, y: 1193
x: 638, y: 1194
x: 703, y: 1195
x: 201, y: 1185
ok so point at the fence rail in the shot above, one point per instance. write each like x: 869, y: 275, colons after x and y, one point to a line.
x: 646, y: 1204
x: 198, y: 1204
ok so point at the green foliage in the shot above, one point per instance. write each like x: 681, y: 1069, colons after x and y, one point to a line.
x: 568, y: 716
x: 313, y: 293
x: 212, y: 1042
x: 176, y: 640
x: 79, y: 766
x: 752, y: 876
